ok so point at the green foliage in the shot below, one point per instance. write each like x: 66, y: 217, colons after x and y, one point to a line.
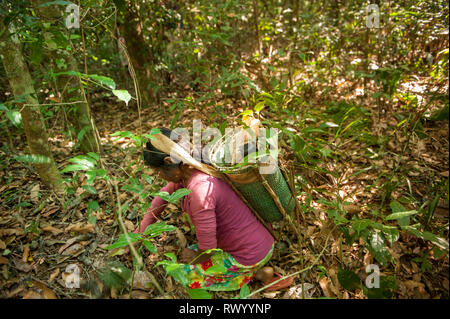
x: 13, y: 116
x: 115, y: 275
x: 199, y: 293
x: 348, y: 279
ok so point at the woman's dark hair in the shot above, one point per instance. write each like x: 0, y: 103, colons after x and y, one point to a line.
x: 154, y: 157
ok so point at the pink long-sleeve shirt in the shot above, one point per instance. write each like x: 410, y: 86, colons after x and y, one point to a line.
x: 220, y: 217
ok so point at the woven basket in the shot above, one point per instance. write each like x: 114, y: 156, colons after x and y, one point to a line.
x: 247, y: 181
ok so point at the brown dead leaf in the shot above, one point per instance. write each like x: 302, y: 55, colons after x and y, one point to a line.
x: 15, y: 291
x: 34, y: 193
x: 3, y: 260
x: 80, y: 228
x: 141, y: 280
x: 52, y: 229
x: 181, y: 238
x: 444, y: 173
x: 26, y: 253
x: 47, y: 293
x: 31, y: 294
x: 352, y: 209
x: 325, y: 284
x: 11, y: 231
x: 2, y: 244
x: 54, y: 275
x: 71, y: 241
x: 129, y: 225
x: 73, y: 249
x: 138, y: 294
x: 114, y: 293
x: 20, y: 265
x: 50, y: 211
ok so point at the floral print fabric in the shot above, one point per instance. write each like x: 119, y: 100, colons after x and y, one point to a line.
x: 221, y: 272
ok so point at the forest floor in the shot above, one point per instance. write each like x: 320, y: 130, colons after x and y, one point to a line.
x: 41, y: 234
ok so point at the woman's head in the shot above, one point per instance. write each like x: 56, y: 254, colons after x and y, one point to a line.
x: 161, y: 162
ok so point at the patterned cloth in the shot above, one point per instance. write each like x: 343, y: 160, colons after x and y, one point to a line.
x: 221, y: 272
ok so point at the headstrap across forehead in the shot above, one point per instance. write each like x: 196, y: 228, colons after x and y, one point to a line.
x: 166, y: 145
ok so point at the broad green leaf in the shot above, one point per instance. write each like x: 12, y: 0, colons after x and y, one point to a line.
x: 177, y: 272
x: 94, y: 156
x: 395, y: 216
x: 171, y: 256
x: 115, y: 275
x: 179, y: 194
x: 150, y: 247
x: 73, y: 167
x: 398, y: 208
x: 246, y: 112
x: 122, y: 241
x: 122, y: 134
x: 122, y: 95
x: 90, y: 189
x: 84, y: 161
x: 438, y: 241
x: 104, y: 80
x: 163, y: 195
x: 360, y: 224
x: 35, y: 159
x: 216, y: 270
x: 348, y: 279
x: 93, y: 206
x: 244, y: 292
x: 158, y: 228
x: 199, y: 294
x: 259, y: 106
x: 387, y: 287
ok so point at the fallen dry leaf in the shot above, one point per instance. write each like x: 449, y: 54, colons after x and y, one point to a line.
x: 73, y: 249
x: 181, y: 238
x: 11, y: 231
x: 141, y: 281
x: 352, y: 209
x: 3, y: 260
x: 325, y: 284
x: 2, y: 244
x: 52, y: 229
x: 54, y: 275
x: 34, y: 193
x: 15, y: 291
x: 20, y: 265
x: 26, y: 253
x: 46, y: 292
x: 129, y: 225
x: 80, y: 228
x: 71, y: 241
x: 50, y: 211
x: 31, y: 294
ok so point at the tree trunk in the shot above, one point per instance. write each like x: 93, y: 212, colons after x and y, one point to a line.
x: 141, y: 56
x: 70, y: 87
x: 33, y: 123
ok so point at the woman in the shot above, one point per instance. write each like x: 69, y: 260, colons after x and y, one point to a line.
x: 221, y: 220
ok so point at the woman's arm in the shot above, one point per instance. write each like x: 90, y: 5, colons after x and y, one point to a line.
x: 158, y: 205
